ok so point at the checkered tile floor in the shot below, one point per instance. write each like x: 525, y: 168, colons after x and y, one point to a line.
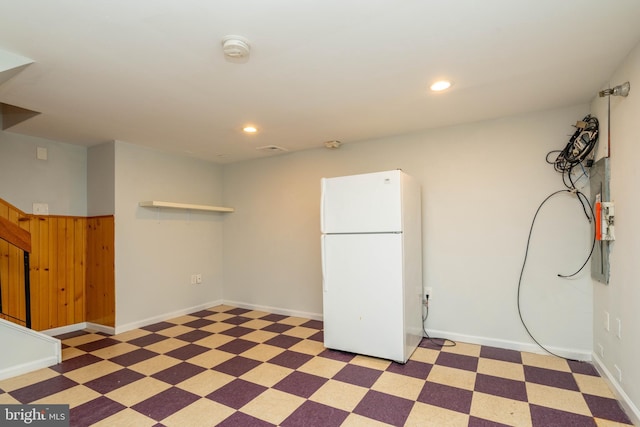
x: 228, y: 366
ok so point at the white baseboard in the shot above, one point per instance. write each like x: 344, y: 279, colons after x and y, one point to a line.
x: 101, y: 328
x: 25, y: 368
x: 576, y: 354
x: 632, y: 410
x: 275, y: 310
x: 162, y: 317
x: 53, y: 332
x: 24, y: 344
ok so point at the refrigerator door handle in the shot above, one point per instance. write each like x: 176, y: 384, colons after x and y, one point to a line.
x: 322, y: 189
x: 324, y: 261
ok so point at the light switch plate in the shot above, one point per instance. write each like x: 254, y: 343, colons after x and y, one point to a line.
x: 41, y: 153
x: 41, y: 209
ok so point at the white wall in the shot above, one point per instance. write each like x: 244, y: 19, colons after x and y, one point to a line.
x: 481, y: 183
x: 60, y: 181
x: 25, y: 350
x: 157, y: 251
x: 621, y: 297
x: 101, y: 181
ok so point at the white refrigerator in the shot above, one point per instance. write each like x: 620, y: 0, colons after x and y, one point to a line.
x: 372, y: 264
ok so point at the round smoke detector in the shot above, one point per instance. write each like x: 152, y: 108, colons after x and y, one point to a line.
x: 235, y: 46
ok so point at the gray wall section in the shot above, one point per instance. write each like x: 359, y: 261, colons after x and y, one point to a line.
x: 481, y: 184
x: 619, y: 355
x: 158, y: 249
x: 60, y: 181
x: 101, y: 181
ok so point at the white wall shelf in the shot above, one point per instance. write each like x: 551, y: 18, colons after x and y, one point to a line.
x: 187, y: 206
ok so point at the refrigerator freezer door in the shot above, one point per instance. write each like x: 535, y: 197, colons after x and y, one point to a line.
x: 367, y: 203
x: 363, y: 294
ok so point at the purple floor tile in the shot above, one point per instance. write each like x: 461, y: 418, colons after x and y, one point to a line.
x: 459, y: 361
x: 199, y: 323
x: 42, y: 389
x: 315, y: 414
x: 237, y: 320
x: 178, y: 373
x: 358, y: 375
x: 76, y: 363
x: 93, y: 411
x: 147, y: 340
x: 237, y: 331
x: 502, y: 354
x: 133, y: 357
x: 273, y: 317
x: 237, y: 311
x: 550, y: 377
x: 291, y: 359
x: 548, y: 417
x: 194, y: 335
x: 318, y: 336
x: 114, y: 380
x: 608, y: 409
x: 163, y: 404
x: 584, y: 368
x: 187, y: 352
x: 236, y: 366
x: 384, y: 407
x: 340, y: 356
x: 412, y: 368
x: 453, y: 398
x: 73, y: 334
x: 434, y: 343
x: 283, y: 341
x: 313, y: 324
x: 480, y: 422
x: 237, y: 393
x: 98, y: 344
x: 240, y: 419
x: 203, y: 313
x: 300, y: 383
x: 503, y: 387
x: 158, y: 326
x: 237, y: 346
x: 277, y: 328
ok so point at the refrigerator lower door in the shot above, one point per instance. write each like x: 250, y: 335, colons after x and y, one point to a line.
x: 363, y: 294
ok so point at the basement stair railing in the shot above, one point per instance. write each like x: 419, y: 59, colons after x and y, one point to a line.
x: 21, y: 239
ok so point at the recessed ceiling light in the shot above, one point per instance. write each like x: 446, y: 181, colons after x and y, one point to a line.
x: 440, y: 85
x: 250, y: 129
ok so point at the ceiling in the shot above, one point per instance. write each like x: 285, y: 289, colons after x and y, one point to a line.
x: 152, y: 72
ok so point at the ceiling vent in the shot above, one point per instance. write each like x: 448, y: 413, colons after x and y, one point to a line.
x: 272, y: 149
x: 332, y: 145
x: 235, y: 46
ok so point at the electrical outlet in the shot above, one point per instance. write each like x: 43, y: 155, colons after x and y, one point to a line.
x: 198, y: 278
x: 428, y: 291
x: 607, y: 319
x: 194, y: 279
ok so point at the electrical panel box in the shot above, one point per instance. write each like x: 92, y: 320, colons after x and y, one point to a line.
x: 600, y: 196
